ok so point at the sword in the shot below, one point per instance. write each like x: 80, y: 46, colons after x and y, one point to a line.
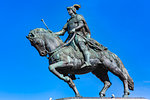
x: 46, y: 26
x: 91, y: 42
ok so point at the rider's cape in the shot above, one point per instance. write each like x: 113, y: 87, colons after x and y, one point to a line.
x: 85, y: 29
x: 78, y: 18
x: 93, y: 43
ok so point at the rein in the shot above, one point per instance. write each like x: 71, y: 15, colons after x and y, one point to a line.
x: 60, y: 47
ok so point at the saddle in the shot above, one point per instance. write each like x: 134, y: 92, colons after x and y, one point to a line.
x: 95, y: 45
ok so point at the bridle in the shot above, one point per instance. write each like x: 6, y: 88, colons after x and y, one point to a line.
x: 60, y: 47
x: 51, y: 53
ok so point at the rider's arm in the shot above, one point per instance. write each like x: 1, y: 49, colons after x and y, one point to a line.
x: 80, y: 22
x: 63, y: 31
x: 88, y: 36
x: 80, y: 25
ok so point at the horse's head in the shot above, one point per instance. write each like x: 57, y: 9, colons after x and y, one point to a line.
x: 36, y: 39
x: 44, y: 41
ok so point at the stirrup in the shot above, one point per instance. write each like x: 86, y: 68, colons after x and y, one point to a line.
x: 86, y: 64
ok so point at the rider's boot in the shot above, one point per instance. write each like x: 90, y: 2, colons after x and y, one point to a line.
x: 87, y: 59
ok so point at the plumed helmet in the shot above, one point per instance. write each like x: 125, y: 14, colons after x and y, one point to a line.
x: 74, y: 7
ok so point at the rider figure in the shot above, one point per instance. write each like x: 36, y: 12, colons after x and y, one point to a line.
x: 77, y: 25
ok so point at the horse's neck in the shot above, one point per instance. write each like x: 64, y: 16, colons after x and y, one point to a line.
x: 52, y: 42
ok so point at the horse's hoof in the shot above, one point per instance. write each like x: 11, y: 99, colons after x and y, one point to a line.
x: 86, y: 64
x: 102, y: 95
x: 78, y: 95
x: 125, y: 96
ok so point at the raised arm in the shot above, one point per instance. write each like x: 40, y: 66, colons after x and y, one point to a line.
x: 63, y: 31
x: 82, y: 23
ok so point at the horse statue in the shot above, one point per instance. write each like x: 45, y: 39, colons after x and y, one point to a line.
x: 65, y: 61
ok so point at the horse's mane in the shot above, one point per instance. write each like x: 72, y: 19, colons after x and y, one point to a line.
x: 42, y: 31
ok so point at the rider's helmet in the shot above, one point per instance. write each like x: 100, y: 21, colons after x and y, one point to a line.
x: 74, y: 7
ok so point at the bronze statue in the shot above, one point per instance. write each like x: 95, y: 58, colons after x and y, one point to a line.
x: 80, y: 55
x: 77, y: 25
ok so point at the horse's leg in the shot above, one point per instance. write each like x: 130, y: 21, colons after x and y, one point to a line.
x: 107, y: 84
x: 72, y: 85
x: 53, y: 67
x: 101, y: 73
x: 126, y: 90
x: 112, y: 67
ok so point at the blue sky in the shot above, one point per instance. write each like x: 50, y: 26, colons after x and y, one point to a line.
x: 121, y: 25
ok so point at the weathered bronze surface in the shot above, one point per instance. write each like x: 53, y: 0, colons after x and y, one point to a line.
x: 80, y: 55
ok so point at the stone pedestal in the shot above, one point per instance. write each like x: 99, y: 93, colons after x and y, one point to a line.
x: 98, y: 98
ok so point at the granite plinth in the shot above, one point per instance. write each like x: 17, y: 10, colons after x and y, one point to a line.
x: 105, y: 98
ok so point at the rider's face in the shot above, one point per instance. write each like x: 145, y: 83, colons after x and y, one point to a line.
x: 70, y: 12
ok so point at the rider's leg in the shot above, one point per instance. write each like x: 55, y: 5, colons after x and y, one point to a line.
x: 86, y: 54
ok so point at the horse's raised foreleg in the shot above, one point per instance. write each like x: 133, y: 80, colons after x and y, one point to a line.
x: 53, y: 67
x: 112, y: 67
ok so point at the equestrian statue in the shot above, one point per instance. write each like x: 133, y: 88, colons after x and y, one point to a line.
x: 79, y: 54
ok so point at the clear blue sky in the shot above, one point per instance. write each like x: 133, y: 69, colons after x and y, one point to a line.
x: 121, y: 25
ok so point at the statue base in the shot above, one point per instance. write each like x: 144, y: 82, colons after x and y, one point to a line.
x: 104, y: 98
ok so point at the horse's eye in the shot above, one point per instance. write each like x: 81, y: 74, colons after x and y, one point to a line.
x: 31, y: 34
x: 37, y: 42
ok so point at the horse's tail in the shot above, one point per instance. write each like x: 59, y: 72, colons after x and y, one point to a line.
x: 130, y: 83
x: 124, y: 70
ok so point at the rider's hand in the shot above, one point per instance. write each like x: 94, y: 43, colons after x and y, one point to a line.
x: 73, y: 30
x: 88, y: 36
